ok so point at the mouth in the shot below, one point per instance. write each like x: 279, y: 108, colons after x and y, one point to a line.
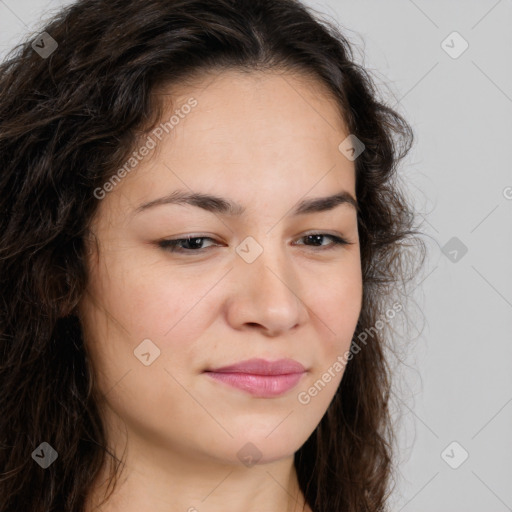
x: 260, y: 378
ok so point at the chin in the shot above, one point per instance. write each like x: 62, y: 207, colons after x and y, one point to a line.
x: 258, y: 448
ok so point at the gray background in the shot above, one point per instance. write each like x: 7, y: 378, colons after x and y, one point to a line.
x: 456, y: 382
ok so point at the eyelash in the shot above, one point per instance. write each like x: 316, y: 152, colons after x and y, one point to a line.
x: 172, y: 245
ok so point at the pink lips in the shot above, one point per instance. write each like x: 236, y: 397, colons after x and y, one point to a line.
x: 264, y: 379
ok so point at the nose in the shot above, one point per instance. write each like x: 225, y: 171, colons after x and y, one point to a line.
x: 266, y: 295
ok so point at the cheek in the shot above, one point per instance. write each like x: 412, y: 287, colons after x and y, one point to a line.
x: 141, y: 300
x: 338, y: 305
x: 337, y: 310
x: 139, y: 293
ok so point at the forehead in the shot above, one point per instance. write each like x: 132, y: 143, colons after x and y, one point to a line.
x: 266, y: 133
x: 276, y: 99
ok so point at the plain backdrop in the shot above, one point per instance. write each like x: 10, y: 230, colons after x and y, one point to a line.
x: 445, y: 66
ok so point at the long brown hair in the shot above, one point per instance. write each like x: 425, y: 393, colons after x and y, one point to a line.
x: 69, y: 118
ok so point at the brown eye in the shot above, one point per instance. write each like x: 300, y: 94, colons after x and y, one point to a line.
x: 191, y: 244
x: 317, y: 237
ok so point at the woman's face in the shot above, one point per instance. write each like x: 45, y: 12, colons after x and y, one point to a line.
x: 249, y: 285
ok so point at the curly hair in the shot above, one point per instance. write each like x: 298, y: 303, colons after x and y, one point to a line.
x: 68, y: 120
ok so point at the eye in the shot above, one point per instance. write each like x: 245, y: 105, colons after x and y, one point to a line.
x: 194, y: 243
x: 336, y: 240
x: 191, y: 244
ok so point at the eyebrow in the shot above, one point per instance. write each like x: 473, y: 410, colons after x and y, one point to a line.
x: 225, y: 206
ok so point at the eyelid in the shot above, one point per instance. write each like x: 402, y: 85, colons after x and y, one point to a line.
x: 339, y: 239
x: 172, y: 245
x: 213, y: 237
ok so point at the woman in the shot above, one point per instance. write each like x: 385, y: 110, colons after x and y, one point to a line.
x: 176, y: 334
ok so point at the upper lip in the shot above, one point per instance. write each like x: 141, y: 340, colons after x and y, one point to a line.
x: 262, y: 367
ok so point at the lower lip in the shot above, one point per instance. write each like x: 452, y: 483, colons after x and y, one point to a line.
x: 263, y: 386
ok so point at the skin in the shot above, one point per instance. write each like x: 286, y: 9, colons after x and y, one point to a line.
x: 266, y: 140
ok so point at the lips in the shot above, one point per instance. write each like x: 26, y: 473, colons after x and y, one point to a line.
x: 260, y: 378
x: 263, y: 367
